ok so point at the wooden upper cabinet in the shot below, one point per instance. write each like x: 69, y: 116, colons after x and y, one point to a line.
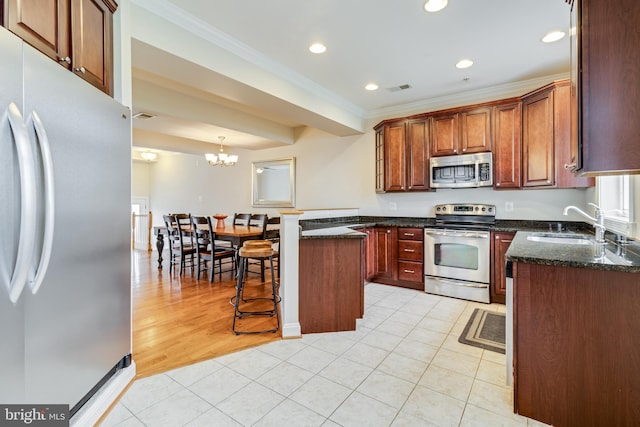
x: 418, y: 155
x: 564, y: 156
x: 606, y: 76
x: 546, y: 139
x: 402, y: 155
x: 507, y: 145
x: 475, y: 130
x: 380, y: 159
x: 44, y: 24
x: 76, y: 33
x: 394, y: 151
x: 92, y: 42
x: 463, y: 132
x: 538, y: 167
x: 445, y: 134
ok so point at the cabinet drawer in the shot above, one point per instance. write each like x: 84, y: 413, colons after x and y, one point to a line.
x: 410, y: 250
x: 410, y: 271
x: 410, y: 234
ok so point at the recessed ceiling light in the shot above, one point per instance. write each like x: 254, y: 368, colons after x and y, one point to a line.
x: 435, y: 5
x: 553, y: 36
x: 371, y: 86
x: 318, y: 48
x: 465, y: 63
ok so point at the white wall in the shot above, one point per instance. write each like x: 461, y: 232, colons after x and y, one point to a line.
x: 331, y: 172
x: 140, y: 179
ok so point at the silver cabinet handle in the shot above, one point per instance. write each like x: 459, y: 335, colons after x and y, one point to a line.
x: 28, y: 218
x: 81, y: 70
x: 49, y: 203
x: 409, y: 234
x: 65, y: 59
x: 409, y: 250
x: 409, y: 271
x: 570, y: 166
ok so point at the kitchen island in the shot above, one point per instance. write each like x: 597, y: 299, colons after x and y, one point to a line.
x: 575, y: 332
x: 331, y: 279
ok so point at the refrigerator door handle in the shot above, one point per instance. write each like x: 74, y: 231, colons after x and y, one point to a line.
x: 49, y: 203
x: 28, y: 218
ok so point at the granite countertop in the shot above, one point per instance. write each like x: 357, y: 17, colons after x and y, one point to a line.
x: 609, y: 256
x: 606, y: 256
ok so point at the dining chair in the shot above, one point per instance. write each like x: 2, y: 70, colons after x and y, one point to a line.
x: 241, y: 219
x: 207, y: 253
x: 181, y: 248
x: 220, y: 253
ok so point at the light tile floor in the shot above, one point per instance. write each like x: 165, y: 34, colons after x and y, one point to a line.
x: 403, y: 366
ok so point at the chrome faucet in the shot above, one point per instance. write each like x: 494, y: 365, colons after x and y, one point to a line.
x: 598, y: 221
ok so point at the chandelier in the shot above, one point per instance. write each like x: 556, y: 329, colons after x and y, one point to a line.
x: 222, y: 158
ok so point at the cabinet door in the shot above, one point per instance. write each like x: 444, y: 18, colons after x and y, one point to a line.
x: 395, y: 154
x: 44, y: 24
x: 507, y: 143
x: 418, y: 155
x: 370, y: 253
x: 563, y: 152
x: 445, y: 132
x: 609, y: 65
x: 384, y: 257
x: 501, y: 242
x: 475, y: 129
x: 380, y: 168
x: 538, y: 140
x: 92, y: 42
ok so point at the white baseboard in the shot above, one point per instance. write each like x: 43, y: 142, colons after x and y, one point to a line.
x: 91, y: 411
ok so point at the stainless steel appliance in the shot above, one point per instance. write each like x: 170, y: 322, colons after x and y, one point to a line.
x: 65, y: 304
x: 461, y: 171
x: 457, y: 251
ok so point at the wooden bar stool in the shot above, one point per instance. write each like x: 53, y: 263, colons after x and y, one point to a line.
x: 260, y: 250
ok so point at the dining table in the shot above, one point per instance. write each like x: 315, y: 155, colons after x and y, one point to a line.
x: 236, y: 234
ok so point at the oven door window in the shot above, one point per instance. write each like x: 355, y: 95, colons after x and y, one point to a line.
x: 456, y: 255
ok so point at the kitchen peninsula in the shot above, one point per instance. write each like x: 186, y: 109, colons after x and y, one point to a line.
x: 575, y: 332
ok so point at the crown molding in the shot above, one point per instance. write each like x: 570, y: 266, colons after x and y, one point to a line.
x: 477, y: 96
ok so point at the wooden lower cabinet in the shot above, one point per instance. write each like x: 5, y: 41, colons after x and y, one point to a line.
x: 576, y: 352
x: 331, y: 284
x: 499, y: 246
x: 397, y: 254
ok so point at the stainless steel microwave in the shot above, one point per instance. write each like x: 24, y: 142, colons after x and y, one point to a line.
x: 461, y: 171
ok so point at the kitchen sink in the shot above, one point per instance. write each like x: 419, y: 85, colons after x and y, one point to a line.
x: 564, y: 239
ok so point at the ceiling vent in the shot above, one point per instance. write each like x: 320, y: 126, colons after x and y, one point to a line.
x: 143, y: 116
x: 399, y: 88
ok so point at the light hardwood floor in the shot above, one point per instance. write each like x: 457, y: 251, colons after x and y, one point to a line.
x: 178, y: 321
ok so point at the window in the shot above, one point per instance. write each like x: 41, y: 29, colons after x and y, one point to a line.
x: 616, y: 197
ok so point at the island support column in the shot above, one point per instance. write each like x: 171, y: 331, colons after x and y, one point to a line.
x: 289, y: 259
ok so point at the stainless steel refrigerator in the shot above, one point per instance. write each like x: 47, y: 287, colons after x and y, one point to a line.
x: 65, y: 173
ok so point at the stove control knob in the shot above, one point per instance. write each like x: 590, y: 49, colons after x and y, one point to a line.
x: 484, y: 209
x: 477, y: 208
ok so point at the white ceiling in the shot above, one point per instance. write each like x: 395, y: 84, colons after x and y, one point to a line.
x: 391, y: 43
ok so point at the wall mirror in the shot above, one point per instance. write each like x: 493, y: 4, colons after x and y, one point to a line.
x: 274, y: 183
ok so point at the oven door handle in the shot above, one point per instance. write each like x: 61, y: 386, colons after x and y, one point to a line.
x: 456, y: 283
x: 449, y: 233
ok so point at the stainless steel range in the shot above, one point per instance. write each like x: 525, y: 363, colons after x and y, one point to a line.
x: 457, y: 251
